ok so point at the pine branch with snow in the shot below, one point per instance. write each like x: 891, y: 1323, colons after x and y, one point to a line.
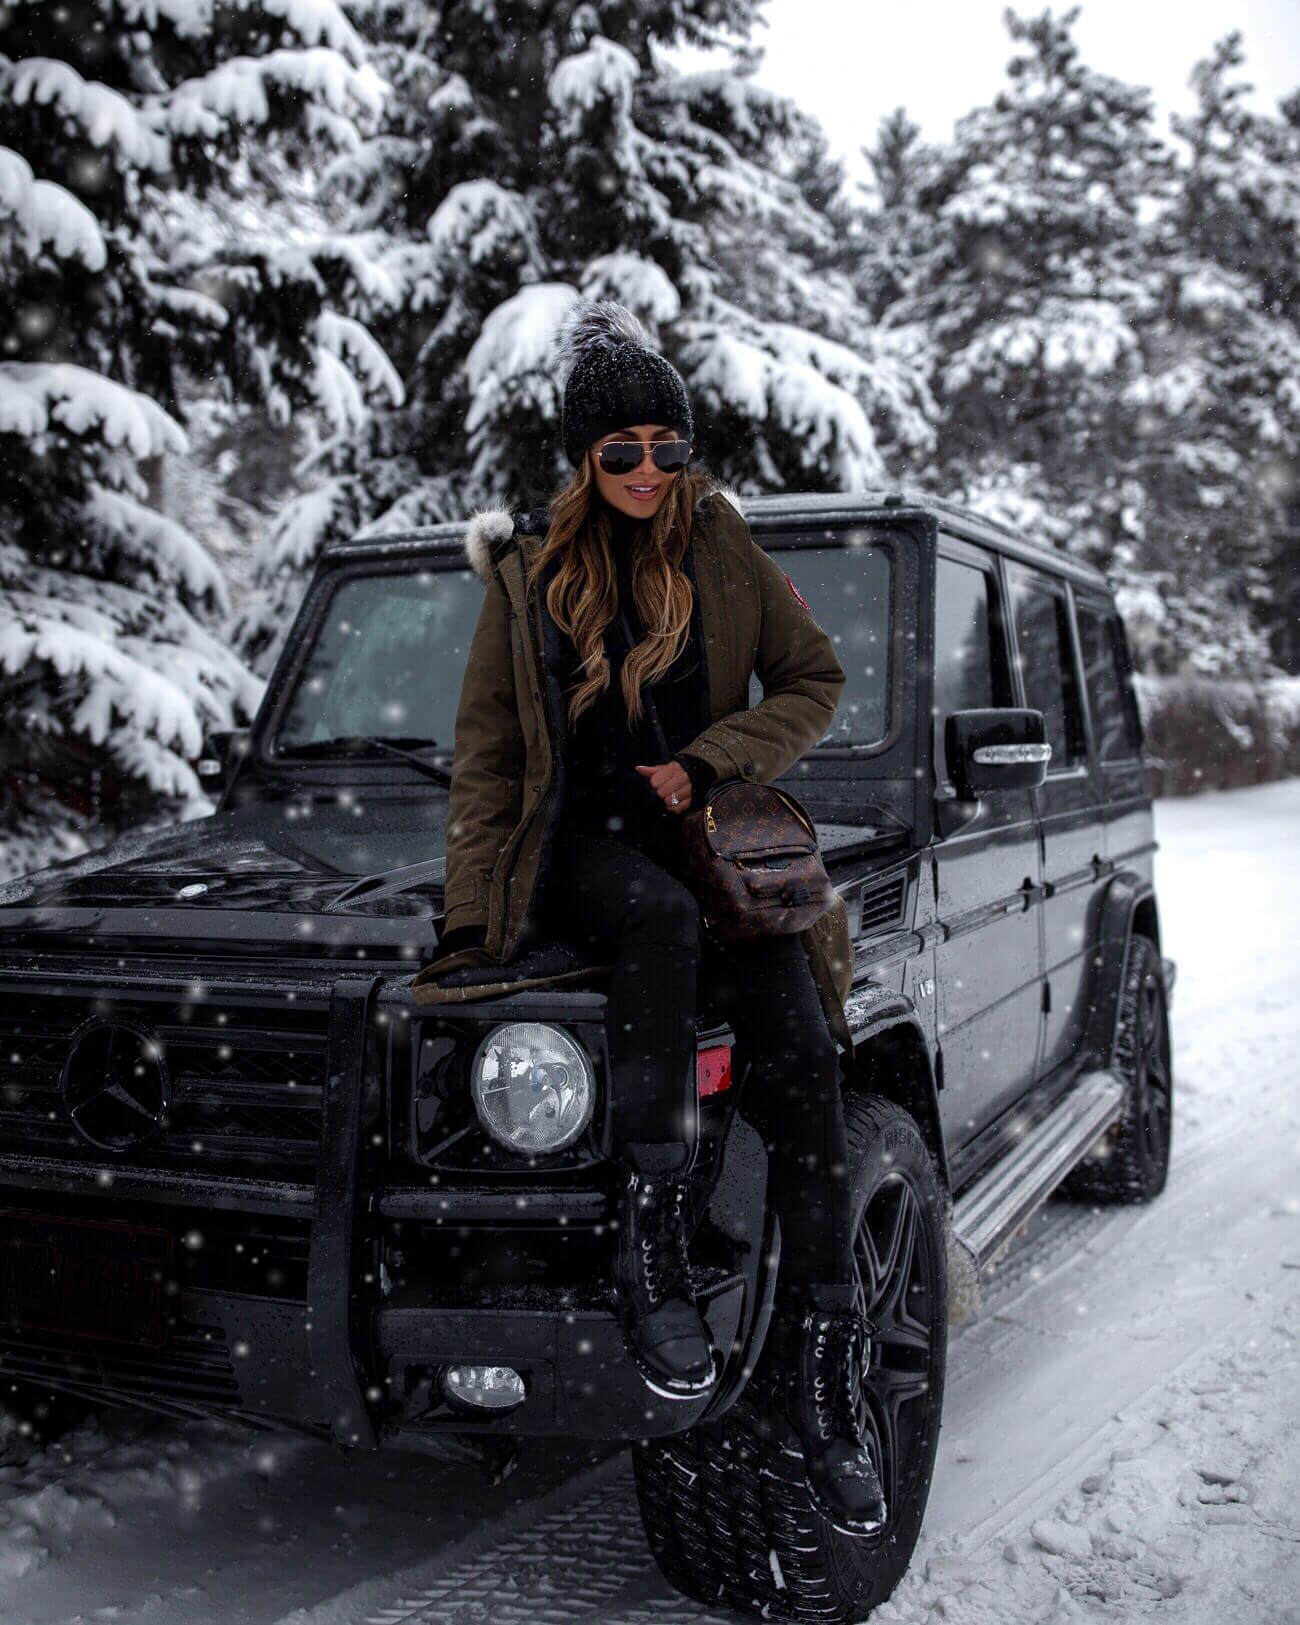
x: 140, y: 140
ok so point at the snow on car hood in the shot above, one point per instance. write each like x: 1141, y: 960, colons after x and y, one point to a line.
x: 324, y: 856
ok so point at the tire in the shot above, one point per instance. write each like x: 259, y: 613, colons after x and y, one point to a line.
x: 725, y: 1505
x: 1131, y: 1161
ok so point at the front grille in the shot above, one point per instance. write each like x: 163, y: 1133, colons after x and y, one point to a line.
x: 883, y: 905
x: 247, y: 1080
x: 253, y: 1255
x: 194, y: 1368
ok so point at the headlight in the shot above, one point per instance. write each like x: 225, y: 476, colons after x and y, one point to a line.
x: 532, y: 1086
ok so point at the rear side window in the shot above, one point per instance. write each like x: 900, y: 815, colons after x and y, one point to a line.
x: 1046, y: 662
x: 1110, y: 697
x: 964, y: 676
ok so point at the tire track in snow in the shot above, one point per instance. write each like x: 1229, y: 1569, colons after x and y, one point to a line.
x: 582, y: 1555
x: 577, y: 1553
x: 1012, y: 1518
x: 1202, y: 1206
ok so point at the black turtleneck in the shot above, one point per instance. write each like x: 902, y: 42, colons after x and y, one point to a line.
x: 605, y: 792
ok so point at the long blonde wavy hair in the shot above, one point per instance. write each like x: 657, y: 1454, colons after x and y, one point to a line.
x: 582, y: 596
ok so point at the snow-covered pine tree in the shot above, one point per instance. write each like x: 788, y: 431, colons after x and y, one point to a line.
x: 129, y: 131
x: 1109, y: 375
x: 896, y: 232
x: 1239, y: 201
x: 800, y: 390
x: 1219, y: 447
x: 520, y: 166
x: 1030, y: 283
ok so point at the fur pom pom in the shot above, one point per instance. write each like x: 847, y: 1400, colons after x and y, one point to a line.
x: 592, y: 325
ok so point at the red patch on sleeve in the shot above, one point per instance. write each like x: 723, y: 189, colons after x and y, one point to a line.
x: 796, y: 592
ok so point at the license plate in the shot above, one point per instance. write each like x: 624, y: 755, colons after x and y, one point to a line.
x: 86, y: 1278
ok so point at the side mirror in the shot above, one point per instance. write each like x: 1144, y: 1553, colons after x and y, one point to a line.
x: 995, y: 750
x: 220, y: 757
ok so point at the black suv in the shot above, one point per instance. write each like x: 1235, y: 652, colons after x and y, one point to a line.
x: 245, y: 1172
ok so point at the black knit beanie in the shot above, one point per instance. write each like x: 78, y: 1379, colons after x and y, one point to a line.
x: 614, y: 378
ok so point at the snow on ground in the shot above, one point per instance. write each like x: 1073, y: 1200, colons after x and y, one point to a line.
x: 1121, y: 1435
x: 140, y: 1521
x: 95, y: 1478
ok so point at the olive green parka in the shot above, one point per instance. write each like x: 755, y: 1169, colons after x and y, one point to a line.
x: 504, y: 779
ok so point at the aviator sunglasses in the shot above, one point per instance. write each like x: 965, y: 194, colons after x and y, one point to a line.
x: 624, y: 456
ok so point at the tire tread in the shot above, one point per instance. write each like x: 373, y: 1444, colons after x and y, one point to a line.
x: 1120, y: 1175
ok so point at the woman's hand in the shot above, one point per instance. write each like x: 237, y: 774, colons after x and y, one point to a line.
x: 671, y: 784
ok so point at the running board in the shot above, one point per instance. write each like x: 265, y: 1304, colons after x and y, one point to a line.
x: 986, y: 1217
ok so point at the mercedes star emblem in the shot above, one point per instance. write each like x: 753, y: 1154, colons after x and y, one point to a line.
x: 116, y: 1088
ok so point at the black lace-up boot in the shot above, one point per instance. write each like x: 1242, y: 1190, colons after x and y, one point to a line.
x: 822, y: 1345
x: 665, y: 1333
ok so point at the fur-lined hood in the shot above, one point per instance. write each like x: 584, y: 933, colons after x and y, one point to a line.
x: 490, y: 528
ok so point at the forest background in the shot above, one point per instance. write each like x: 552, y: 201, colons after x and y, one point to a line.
x: 276, y: 271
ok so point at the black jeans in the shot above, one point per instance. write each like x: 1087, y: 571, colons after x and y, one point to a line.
x: 634, y: 909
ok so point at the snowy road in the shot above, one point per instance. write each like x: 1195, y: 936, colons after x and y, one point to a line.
x: 1121, y: 1435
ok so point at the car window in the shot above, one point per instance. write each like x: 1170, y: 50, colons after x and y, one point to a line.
x: 1046, y: 661
x: 849, y: 590
x: 386, y: 659
x: 963, y: 653
x: 1110, y: 697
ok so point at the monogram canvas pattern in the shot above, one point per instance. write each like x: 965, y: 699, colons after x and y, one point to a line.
x: 755, y: 868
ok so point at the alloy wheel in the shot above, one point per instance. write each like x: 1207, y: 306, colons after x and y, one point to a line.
x: 894, y: 1292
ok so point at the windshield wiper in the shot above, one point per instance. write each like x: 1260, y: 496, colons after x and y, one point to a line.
x: 388, y: 882
x: 350, y: 744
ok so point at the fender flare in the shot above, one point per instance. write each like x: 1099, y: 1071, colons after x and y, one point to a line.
x: 891, y: 1058
x: 1129, y: 899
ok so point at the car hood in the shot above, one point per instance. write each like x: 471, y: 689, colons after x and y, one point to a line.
x: 369, y: 870
x: 326, y: 856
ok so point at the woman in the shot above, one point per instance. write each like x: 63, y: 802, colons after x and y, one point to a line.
x: 644, y: 577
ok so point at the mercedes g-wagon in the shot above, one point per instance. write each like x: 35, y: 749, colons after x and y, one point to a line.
x: 245, y: 1172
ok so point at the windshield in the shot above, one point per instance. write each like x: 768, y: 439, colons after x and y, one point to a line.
x: 386, y: 663
x: 389, y: 653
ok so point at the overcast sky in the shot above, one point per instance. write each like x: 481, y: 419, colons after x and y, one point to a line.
x: 850, y: 61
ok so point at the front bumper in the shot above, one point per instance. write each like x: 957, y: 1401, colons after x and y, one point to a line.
x: 578, y: 1378
x: 339, y: 1352
x: 234, y: 1355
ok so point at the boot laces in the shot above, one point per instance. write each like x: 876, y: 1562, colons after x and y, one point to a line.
x: 664, y: 1264
x: 838, y: 1350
